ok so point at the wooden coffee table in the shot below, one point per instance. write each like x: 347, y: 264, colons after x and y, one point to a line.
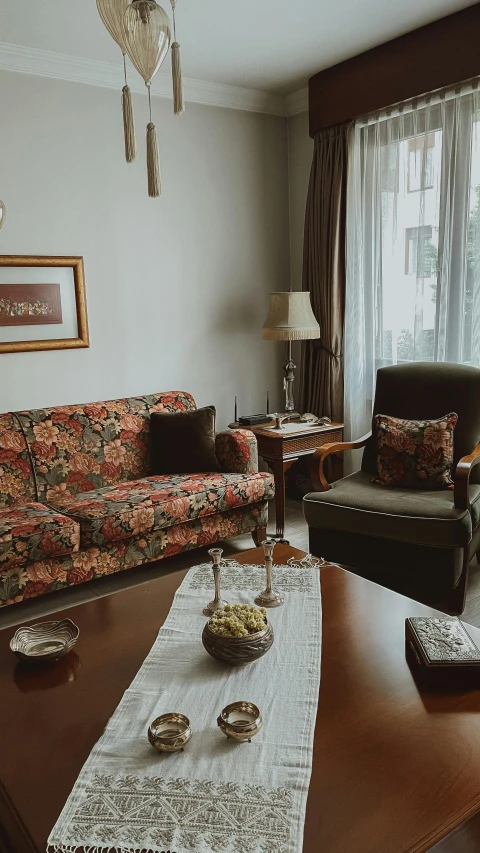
x: 396, y: 769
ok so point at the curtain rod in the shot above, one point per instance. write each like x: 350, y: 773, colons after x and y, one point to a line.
x: 430, y: 99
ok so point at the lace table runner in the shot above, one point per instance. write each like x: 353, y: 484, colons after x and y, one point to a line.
x: 218, y: 796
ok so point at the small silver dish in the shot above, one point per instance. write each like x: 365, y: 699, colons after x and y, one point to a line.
x: 45, y: 641
x: 170, y: 732
x: 240, y: 720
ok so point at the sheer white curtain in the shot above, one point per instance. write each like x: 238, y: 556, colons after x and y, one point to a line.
x: 413, y: 247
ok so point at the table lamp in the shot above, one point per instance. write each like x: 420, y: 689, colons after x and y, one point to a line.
x: 290, y: 318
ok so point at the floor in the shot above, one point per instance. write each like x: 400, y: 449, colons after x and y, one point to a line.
x: 296, y: 532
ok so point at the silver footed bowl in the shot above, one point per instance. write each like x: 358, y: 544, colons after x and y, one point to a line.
x: 238, y: 651
x: 240, y: 720
x: 170, y: 732
x: 45, y: 641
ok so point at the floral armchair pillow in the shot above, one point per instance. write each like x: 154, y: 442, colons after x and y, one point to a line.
x: 414, y: 454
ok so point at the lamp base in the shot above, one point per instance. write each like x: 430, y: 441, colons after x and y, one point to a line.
x: 285, y: 416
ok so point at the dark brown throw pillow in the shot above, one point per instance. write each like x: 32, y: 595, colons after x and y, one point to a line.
x: 414, y: 454
x: 183, y: 442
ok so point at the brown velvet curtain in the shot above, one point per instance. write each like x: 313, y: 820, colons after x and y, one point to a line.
x: 321, y: 383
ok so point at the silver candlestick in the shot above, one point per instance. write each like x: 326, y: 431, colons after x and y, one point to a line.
x: 217, y: 603
x: 269, y: 598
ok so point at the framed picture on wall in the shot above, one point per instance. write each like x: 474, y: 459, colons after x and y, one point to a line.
x: 42, y: 303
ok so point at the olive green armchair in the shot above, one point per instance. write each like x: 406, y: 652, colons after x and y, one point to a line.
x: 418, y: 542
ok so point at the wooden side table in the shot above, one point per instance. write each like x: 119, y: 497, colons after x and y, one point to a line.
x: 280, y: 448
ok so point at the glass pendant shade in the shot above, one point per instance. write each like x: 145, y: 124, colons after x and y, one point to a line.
x: 112, y: 13
x: 147, y: 37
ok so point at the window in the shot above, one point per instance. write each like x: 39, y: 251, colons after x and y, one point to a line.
x: 413, y: 241
x: 408, y: 227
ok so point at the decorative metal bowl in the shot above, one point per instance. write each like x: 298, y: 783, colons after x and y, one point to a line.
x: 45, y: 641
x: 238, y: 651
x: 170, y: 732
x: 240, y: 720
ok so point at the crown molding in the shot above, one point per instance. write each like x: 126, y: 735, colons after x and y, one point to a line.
x: 44, y: 63
x: 296, y: 102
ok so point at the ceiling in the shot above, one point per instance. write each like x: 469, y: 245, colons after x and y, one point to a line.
x: 271, y: 45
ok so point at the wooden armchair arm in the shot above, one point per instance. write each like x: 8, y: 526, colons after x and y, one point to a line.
x: 462, y: 478
x: 320, y: 483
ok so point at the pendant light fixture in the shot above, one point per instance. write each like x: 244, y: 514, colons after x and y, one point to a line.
x: 142, y: 30
x: 112, y: 13
x: 147, y: 39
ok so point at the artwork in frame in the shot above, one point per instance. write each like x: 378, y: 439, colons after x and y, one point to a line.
x: 30, y: 304
x: 42, y: 303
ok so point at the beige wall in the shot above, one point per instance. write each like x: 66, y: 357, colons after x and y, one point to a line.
x: 177, y: 287
x: 300, y: 152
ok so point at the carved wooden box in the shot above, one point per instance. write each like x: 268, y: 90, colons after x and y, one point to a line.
x: 440, y: 651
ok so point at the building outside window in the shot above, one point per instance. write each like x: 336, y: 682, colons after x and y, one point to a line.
x: 420, y: 252
x: 421, y: 162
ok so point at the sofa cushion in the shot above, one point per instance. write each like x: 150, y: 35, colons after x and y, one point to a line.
x: 153, y: 503
x: 357, y: 505
x: 237, y: 451
x: 183, y: 442
x: 76, y: 449
x: 414, y: 454
x: 17, y: 484
x: 31, y: 531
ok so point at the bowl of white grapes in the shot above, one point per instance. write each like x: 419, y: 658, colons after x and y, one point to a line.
x: 238, y: 634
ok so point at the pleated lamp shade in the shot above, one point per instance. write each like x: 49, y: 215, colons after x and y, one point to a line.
x: 290, y: 318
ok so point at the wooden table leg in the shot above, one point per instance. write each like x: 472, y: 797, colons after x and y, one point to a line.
x: 279, y: 467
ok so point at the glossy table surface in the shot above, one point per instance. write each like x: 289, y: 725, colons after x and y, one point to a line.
x: 396, y: 768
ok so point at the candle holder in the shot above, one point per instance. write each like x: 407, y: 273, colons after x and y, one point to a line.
x: 269, y: 598
x: 217, y: 603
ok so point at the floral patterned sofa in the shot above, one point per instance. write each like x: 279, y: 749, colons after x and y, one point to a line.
x: 77, y: 501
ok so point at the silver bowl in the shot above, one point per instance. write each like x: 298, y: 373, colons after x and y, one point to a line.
x: 238, y: 651
x: 240, y: 720
x: 170, y: 732
x: 45, y: 641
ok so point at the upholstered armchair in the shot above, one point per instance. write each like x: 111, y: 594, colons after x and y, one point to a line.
x: 419, y: 542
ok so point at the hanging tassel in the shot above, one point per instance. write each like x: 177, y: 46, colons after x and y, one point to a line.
x: 153, y: 168
x: 178, y: 102
x: 128, y: 125
x: 128, y: 122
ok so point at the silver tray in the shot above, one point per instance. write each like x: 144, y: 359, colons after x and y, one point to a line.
x: 45, y: 641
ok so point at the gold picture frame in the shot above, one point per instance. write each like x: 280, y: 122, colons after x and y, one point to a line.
x: 76, y: 264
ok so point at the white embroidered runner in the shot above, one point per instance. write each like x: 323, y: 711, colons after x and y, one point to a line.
x: 218, y: 796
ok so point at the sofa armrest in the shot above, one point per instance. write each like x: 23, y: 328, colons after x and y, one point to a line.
x: 320, y: 482
x: 237, y: 451
x: 462, y: 478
